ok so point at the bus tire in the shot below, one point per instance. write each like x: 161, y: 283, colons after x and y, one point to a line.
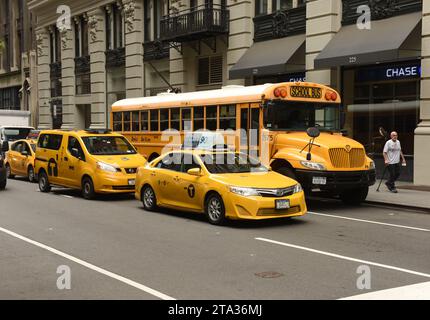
x: 88, y: 188
x: 215, y: 209
x: 355, y: 196
x: 149, y: 199
x: 44, y: 185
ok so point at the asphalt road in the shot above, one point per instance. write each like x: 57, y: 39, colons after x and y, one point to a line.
x: 116, y: 250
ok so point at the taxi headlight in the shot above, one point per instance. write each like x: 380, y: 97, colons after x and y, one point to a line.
x: 106, y: 167
x: 245, y: 192
x: 298, y: 188
x: 313, y: 165
x: 372, y: 165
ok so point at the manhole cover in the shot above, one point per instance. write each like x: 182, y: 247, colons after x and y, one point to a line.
x: 269, y: 275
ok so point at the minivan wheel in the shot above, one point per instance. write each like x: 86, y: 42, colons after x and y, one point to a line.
x: 88, y: 189
x: 215, y: 210
x: 31, y: 177
x: 44, y: 184
x: 149, y: 199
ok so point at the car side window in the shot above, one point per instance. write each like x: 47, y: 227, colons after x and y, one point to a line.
x: 73, y: 143
x: 27, y: 148
x: 172, y: 161
x: 189, y: 162
x: 15, y: 146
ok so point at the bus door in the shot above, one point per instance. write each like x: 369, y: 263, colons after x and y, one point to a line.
x: 250, y: 118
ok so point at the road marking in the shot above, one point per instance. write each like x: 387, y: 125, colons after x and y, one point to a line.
x: 91, y: 266
x: 368, y: 221
x: 68, y: 197
x: 420, y: 291
x: 345, y: 257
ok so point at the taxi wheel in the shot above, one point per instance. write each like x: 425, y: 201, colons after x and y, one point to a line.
x: 9, y: 172
x: 31, y: 174
x: 215, y: 210
x: 44, y: 184
x: 3, y: 184
x: 149, y: 198
x: 88, y: 189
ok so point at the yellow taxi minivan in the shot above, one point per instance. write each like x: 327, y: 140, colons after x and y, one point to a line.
x: 219, y: 183
x: 20, y: 159
x: 93, y: 161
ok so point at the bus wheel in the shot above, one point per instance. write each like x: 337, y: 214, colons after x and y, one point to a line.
x: 354, y: 196
x: 215, y: 210
x: 149, y: 198
x: 88, y: 189
x: 286, y: 171
x: 44, y: 184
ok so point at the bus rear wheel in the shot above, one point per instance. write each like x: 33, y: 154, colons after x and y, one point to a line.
x: 354, y: 196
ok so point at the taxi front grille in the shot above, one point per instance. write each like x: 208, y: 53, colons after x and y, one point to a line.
x: 130, y: 170
x: 341, y: 158
x: 119, y: 188
x: 274, y: 212
x: 276, y: 193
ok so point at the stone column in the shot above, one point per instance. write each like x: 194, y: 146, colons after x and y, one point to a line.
x: 422, y: 132
x: 134, y: 70
x: 68, y: 77
x: 323, y: 22
x: 241, y: 33
x: 43, y: 75
x: 97, y: 48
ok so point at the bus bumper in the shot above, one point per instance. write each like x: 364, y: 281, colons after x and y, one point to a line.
x: 336, y: 181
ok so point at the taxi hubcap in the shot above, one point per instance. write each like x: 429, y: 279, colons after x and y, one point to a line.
x: 214, y: 209
x: 148, y: 198
x: 87, y: 188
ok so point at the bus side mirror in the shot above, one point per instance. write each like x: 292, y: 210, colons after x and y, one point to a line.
x: 313, y: 132
x: 5, y: 146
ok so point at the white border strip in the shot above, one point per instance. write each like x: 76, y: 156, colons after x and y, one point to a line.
x: 345, y: 257
x: 368, y: 221
x: 91, y: 266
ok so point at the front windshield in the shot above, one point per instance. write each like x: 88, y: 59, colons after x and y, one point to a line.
x: 299, y: 116
x: 14, y: 134
x: 230, y: 162
x: 109, y: 145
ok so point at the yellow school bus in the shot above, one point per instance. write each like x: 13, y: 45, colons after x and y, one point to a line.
x: 294, y: 127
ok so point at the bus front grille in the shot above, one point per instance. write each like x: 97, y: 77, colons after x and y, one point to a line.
x: 341, y: 158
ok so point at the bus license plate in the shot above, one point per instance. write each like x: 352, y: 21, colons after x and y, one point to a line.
x: 319, y: 180
x: 282, y: 204
x: 131, y: 182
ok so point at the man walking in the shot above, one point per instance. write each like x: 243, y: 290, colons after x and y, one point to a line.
x: 392, y: 154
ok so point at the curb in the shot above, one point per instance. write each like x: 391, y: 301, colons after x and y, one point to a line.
x: 395, y: 205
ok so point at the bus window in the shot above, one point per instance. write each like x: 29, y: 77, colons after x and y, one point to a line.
x: 174, y: 119
x: 144, y: 125
x: 227, y: 117
x: 164, y: 119
x: 135, y: 121
x: 199, y: 118
x: 127, y: 119
x: 117, y: 121
x: 211, y: 118
x: 186, y: 119
x: 154, y: 120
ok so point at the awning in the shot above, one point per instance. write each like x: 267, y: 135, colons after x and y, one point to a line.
x: 276, y: 56
x: 391, y: 39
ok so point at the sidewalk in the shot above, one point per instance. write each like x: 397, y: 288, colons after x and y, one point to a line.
x: 409, y: 195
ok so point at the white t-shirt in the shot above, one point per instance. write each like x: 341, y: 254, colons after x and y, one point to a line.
x: 393, y: 150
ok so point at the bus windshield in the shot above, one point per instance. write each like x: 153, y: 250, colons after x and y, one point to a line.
x: 230, y: 162
x: 14, y: 134
x: 109, y: 145
x: 299, y: 116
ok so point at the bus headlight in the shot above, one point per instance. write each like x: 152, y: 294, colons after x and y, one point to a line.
x: 245, y: 192
x: 106, y: 167
x: 313, y: 165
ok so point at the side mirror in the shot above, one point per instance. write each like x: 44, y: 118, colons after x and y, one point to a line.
x: 24, y: 153
x: 5, y: 146
x: 195, y: 172
x: 313, y: 132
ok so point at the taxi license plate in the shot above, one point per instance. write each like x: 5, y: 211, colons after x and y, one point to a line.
x: 131, y: 182
x: 319, y: 180
x: 282, y: 204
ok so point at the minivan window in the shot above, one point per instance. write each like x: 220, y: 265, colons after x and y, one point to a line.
x: 50, y: 141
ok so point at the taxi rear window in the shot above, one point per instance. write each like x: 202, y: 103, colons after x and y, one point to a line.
x: 50, y: 141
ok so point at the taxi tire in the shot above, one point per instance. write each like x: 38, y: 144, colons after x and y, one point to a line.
x: 153, y: 207
x: 88, y: 189
x: 30, y: 174
x: 214, y: 199
x: 9, y: 174
x: 3, y: 184
x: 44, y: 185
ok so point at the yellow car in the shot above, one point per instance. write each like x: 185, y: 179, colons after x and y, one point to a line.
x: 93, y: 161
x: 220, y: 183
x: 20, y: 159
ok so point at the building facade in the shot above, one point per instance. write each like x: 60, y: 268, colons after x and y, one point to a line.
x: 376, y: 53
x: 18, y: 82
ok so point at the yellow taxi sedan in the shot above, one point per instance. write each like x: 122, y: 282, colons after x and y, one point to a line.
x: 220, y: 184
x: 20, y: 159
